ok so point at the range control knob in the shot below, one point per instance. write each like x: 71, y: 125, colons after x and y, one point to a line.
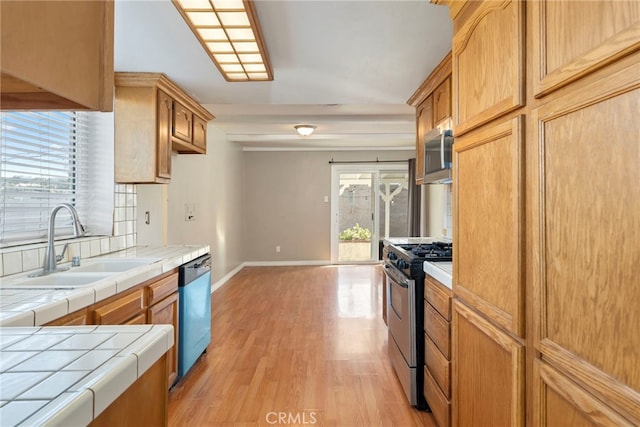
x: 392, y: 256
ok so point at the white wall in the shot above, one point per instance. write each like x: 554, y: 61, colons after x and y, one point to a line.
x: 213, y: 184
x: 284, y: 199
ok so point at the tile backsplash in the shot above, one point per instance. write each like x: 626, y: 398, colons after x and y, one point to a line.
x: 18, y: 259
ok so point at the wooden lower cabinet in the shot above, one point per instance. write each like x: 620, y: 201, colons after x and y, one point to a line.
x: 440, y: 406
x: 152, y: 302
x: 165, y: 312
x: 144, y: 403
x: 77, y: 318
x: 140, y: 319
x: 488, y: 372
x: 120, y: 309
x: 437, y: 350
x: 561, y: 402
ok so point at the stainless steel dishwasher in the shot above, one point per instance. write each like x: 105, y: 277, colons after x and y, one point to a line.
x: 194, y: 330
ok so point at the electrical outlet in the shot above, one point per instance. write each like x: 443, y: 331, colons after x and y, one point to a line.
x: 278, y: 249
x: 189, y: 212
x: 444, y: 232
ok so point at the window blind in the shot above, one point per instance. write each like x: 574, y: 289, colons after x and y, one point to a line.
x: 44, y: 161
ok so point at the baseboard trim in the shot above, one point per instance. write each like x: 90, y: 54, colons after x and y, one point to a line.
x: 227, y: 277
x: 283, y: 263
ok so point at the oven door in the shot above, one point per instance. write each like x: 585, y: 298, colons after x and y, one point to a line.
x: 401, y: 313
x: 402, y: 330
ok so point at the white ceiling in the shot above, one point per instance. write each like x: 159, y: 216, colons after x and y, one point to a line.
x: 347, y: 67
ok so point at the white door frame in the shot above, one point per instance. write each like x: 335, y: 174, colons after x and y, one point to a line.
x: 373, y: 168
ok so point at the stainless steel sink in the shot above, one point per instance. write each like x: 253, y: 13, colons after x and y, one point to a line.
x: 111, y: 265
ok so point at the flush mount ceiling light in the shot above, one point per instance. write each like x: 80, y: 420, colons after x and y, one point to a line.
x: 229, y: 32
x: 305, y: 130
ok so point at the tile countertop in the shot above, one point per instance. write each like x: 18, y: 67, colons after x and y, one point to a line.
x: 441, y: 271
x: 34, y: 307
x: 69, y: 375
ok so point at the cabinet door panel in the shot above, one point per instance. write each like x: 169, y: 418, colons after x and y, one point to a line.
x: 488, y: 372
x: 199, y: 132
x: 165, y: 108
x: 488, y: 64
x: 573, y: 38
x: 182, y: 118
x: 442, y: 101
x: 587, y: 282
x: 166, y: 313
x: 424, y: 124
x: 69, y: 65
x: 560, y: 402
x: 489, y: 219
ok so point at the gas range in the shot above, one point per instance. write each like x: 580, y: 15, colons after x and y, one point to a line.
x: 404, y: 269
x: 409, y: 258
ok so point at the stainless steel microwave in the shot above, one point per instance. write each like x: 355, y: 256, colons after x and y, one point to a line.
x: 438, y: 147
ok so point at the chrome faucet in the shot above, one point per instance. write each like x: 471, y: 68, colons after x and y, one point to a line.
x: 50, y: 264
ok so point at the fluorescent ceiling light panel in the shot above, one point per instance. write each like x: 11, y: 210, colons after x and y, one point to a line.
x: 229, y: 32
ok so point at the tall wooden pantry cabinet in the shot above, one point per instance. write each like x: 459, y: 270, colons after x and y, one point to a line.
x: 546, y: 97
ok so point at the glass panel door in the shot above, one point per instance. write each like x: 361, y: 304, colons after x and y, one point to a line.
x: 394, y: 203
x: 369, y: 202
x: 356, y: 209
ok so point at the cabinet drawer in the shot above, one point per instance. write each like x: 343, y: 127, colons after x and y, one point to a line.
x: 72, y: 319
x: 182, y: 119
x: 438, y: 296
x: 199, y: 132
x: 440, y: 406
x: 438, y: 366
x: 121, y: 309
x: 140, y: 319
x: 438, y: 329
x: 162, y: 288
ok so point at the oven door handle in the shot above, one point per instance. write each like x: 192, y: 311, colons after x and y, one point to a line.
x: 390, y: 271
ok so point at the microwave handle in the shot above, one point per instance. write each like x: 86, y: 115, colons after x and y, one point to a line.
x: 442, y: 150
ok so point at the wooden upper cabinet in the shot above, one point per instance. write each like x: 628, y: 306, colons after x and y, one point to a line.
x: 424, y: 123
x: 428, y: 110
x: 200, y: 132
x: 582, y: 285
x: 488, y: 372
x: 488, y: 196
x: 488, y: 64
x: 163, y: 144
x: 442, y: 102
x: 182, y: 122
x: 154, y: 117
x: 574, y: 38
x: 56, y: 55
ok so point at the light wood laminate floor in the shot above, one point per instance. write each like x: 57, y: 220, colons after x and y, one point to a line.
x: 296, y: 346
